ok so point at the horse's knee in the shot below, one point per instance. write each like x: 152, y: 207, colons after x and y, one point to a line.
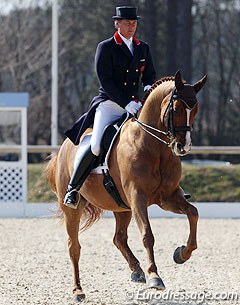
x: 192, y: 212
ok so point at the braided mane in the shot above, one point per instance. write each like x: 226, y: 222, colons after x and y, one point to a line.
x: 156, y: 84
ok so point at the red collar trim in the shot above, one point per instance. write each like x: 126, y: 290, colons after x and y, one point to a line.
x: 119, y: 40
x: 136, y: 40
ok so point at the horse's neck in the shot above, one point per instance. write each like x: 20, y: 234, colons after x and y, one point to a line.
x: 151, y: 115
x: 151, y: 111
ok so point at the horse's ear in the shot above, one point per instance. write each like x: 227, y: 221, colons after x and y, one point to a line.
x: 198, y: 85
x: 178, y: 81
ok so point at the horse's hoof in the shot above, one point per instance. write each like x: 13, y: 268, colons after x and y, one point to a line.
x: 156, y: 283
x: 79, y: 297
x: 187, y: 196
x: 177, y: 255
x: 138, y: 277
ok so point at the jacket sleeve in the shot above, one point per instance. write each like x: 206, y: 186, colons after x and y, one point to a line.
x: 149, y: 73
x: 104, y: 70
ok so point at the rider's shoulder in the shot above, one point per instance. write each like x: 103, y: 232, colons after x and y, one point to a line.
x: 106, y: 42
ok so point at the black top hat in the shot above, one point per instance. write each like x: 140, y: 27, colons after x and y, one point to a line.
x: 126, y: 12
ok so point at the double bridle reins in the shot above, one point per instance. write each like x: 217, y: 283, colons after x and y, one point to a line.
x: 171, y: 130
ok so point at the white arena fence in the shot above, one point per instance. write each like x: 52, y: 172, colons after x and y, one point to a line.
x: 204, y: 150
x: 206, y: 210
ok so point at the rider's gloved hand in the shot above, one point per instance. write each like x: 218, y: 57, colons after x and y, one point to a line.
x: 133, y: 107
x: 146, y: 88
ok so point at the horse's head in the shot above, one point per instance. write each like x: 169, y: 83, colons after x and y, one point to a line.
x: 181, y: 107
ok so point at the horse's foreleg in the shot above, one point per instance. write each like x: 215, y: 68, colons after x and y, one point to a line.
x: 120, y: 240
x: 183, y: 253
x: 72, y: 220
x: 141, y: 217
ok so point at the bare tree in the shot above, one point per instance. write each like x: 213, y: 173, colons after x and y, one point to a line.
x: 150, y: 24
x: 184, y: 38
x: 26, y: 64
x: 216, y: 52
x: 172, y: 37
x: 179, y: 37
x: 198, y: 38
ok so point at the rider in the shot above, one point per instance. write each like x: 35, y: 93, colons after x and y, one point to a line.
x: 120, y: 61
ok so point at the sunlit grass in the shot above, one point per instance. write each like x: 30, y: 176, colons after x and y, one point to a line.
x: 38, y: 188
x: 204, y: 183
x: 212, y: 183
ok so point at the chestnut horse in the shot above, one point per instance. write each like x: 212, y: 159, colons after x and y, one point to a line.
x: 145, y: 165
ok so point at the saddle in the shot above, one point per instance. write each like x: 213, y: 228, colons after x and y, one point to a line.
x: 101, y: 164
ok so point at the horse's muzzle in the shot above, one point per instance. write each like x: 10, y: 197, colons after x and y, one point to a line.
x: 179, y: 150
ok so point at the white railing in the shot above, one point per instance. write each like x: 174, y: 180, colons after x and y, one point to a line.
x: 206, y: 210
x: 216, y: 150
x: 205, y: 150
x: 31, y: 149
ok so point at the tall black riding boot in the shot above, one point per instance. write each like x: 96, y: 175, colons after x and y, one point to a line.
x: 85, y: 164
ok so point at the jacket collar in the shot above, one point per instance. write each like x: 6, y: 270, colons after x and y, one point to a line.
x: 119, y: 40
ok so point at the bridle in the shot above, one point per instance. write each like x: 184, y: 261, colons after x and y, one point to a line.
x: 171, y: 130
x: 189, y: 103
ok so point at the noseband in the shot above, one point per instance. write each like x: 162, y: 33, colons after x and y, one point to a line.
x: 171, y: 130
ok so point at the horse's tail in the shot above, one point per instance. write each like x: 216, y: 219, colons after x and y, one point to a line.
x: 50, y: 171
x: 90, y: 214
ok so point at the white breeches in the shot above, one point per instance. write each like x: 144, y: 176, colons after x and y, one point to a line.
x: 106, y: 113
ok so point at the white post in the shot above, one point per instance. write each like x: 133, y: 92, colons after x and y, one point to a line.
x: 54, y: 113
x: 24, y: 157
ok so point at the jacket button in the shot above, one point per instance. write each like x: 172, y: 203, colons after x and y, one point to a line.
x: 133, y: 96
x: 125, y: 84
x: 127, y: 71
x: 136, y: 70
x: 134, y: 83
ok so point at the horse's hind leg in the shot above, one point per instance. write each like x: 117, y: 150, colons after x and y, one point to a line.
x: 120, y: 240
x: 72, y: 221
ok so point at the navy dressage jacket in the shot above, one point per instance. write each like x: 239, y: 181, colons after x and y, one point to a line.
x: 118, y: 72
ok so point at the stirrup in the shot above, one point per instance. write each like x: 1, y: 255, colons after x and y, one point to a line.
x: 71, y: 199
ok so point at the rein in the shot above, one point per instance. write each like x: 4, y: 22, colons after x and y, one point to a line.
x: 144, y: 126
x: 171, y: 129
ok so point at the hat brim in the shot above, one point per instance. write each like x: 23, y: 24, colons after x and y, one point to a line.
x: 127, y: 18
